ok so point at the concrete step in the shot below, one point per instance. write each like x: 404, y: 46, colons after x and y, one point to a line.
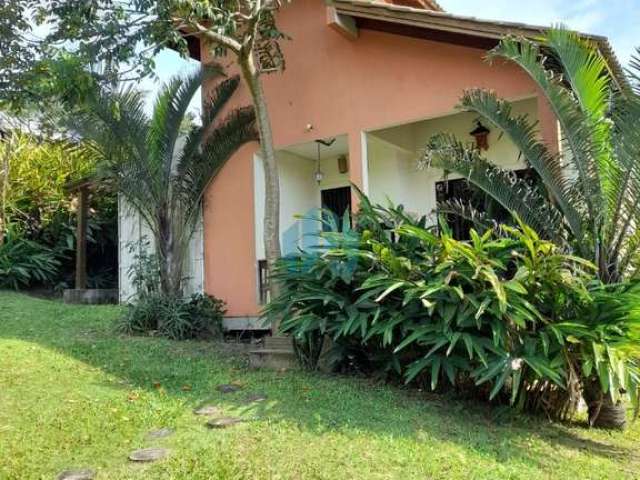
x: 272, y: 358
x: 278, y: 343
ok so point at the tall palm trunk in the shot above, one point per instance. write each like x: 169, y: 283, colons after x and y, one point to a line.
x: 272, y: 184
x: 171, y: 263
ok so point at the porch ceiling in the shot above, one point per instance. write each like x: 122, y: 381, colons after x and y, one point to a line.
x: 310, y: 149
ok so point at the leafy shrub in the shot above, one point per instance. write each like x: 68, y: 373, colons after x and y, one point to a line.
x: 496, y: 315
x: 199, y: 317
x: 24, y: 263
x: 36, y: 203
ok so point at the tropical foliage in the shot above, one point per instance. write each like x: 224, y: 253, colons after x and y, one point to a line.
x: 36, y: 207
x: 504, y: 315
x: 589, y: 192
x: 162, y: 174
x: 25, y: 263
x: 178, y: 318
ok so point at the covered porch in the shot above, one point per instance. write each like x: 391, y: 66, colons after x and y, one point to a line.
x: 319, y: 173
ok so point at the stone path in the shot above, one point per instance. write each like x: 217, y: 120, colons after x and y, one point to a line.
x: 223, y: 422
x: 228, y: 388
x: 208, y: 410
x: 82, y: 474
x: 148, y: 454
x: 255, y: 398
x: 161, y: 433
x: 154, y: 454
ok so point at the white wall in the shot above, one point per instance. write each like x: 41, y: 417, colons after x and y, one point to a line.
x: 393, y: 156
x: 299, y: 196
x: 131, y: 229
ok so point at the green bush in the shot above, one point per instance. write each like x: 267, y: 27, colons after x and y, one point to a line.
x: 502, y: 315
x: 36, y: 204
x: 197, y: 317
x: 24, y: 263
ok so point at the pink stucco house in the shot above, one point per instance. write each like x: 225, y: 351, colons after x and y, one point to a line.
x: 373, y: 80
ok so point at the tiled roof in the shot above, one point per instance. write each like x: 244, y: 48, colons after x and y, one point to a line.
x: 452, y: 25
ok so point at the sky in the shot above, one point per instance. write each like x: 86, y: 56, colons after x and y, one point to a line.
x: 619, y: 20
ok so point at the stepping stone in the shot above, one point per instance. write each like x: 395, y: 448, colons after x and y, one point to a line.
x: 223, y: 422
x: 162, y: 433
x: 82, y: 474
x: 207, y: 410
x: 228, y: 388
x: 148, y: 454
x: 255, y: 398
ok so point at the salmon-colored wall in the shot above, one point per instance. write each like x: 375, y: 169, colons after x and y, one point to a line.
x: 339, y: 86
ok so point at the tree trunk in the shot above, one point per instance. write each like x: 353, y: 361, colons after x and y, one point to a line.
x: 4, y: 186
x: 170, y: 259
x: 603, y: 411
x: 272, y: 180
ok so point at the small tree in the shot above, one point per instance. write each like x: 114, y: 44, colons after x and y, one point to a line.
x: 247, y: 31
x: 125, y: 35
x: 590, y: 193
x: 163, y: 182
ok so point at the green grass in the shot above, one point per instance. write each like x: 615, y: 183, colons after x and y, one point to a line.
x: 74, y: 394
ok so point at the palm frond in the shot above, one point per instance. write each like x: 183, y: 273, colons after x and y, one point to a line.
x: 525, y: 137
x: 168, y: 114
x: 586, y: 71
x: 465, y: 210
x: 634, y: 71
x: 574, y: 123
x: 212, y: 108
x: 446, y: 152
x: 197, y: 171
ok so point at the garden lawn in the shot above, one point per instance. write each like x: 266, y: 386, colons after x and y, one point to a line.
x: 75, y: 394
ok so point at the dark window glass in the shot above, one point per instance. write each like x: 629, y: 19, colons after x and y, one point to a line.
x: 464, y: 191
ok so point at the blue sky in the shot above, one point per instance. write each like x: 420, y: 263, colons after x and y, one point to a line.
x: 617, y: 19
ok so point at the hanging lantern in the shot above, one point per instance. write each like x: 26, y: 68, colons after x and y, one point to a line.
x: 319, y: 175
x: 481, y: 134
x: 343, y: 164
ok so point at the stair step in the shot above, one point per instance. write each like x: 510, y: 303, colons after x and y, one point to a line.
x: 278, y: 343
x: 273, y: 358
x: 271, y: 351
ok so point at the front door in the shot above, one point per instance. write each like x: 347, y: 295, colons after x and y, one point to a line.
x: 337, y: 201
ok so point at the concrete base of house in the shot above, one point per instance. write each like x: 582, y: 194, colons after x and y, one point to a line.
x: 91, y: 296
x: 276, y: 354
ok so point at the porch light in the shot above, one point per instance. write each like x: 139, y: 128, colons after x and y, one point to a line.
x: 481, y: 134
x: 343, y: 164
x: 319, y: 176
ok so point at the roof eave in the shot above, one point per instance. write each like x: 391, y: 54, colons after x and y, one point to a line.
x: 471, y: 26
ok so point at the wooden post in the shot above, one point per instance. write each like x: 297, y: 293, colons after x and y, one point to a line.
x: 81, y: 239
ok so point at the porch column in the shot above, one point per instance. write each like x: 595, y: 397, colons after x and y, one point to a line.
x: 81, y: 239
x: 358, y: 164
x: 549, y: 128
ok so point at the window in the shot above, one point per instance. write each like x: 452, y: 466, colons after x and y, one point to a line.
x: 263, y: 282
x: 465, y: 192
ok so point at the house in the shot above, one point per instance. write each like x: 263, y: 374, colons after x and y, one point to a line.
x: 372, y: 81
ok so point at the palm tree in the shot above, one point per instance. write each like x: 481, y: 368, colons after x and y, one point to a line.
x: 161, y: 168
x: 589, y: 197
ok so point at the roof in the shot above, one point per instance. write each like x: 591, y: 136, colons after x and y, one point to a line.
x: 442, y: 26
x: 428, y: 4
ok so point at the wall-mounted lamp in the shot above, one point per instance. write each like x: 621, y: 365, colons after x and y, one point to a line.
x: 343, y: 164
x: 481, y: 134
